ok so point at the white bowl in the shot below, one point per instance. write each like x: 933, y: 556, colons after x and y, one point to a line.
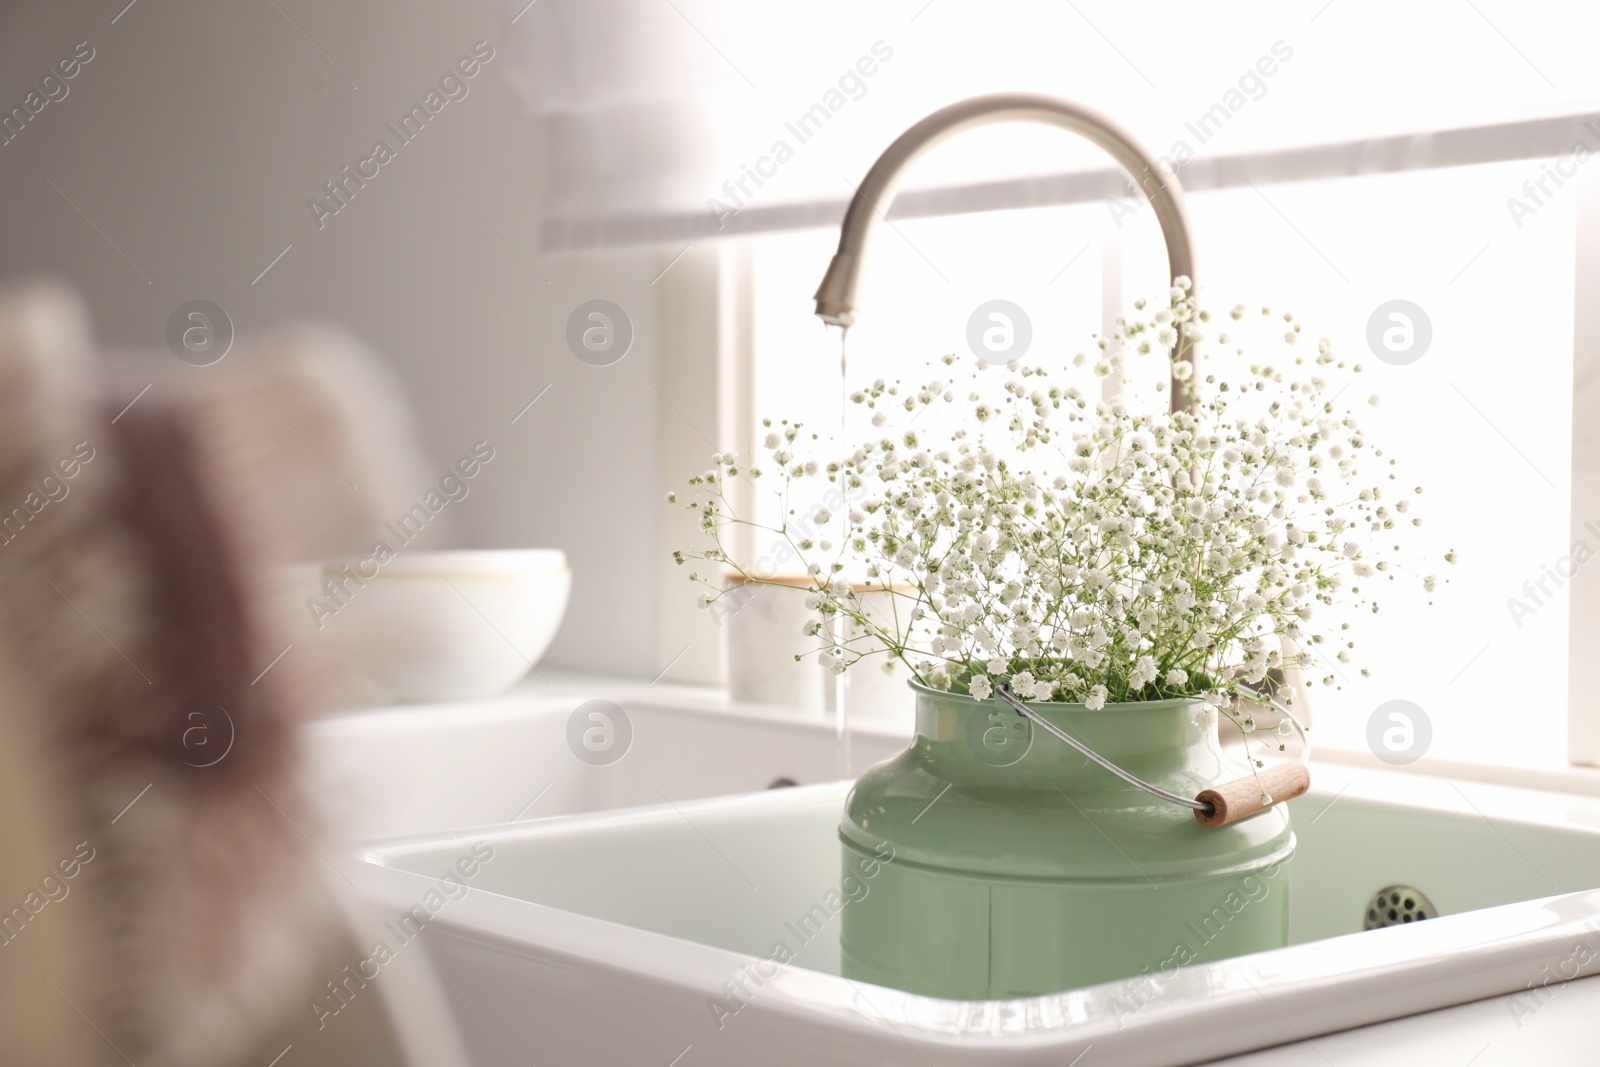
x: 440, y: 626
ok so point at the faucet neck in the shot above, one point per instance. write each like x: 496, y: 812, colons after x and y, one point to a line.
x: 836, y: 297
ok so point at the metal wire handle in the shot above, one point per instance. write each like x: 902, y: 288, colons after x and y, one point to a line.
x: 1003, y: 691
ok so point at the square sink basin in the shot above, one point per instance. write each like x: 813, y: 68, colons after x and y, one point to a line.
x: 647, y: 935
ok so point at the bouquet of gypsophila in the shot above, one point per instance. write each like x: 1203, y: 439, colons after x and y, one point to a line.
x: 1089, y: 550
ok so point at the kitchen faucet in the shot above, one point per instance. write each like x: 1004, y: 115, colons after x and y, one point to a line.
x: 836, y: 297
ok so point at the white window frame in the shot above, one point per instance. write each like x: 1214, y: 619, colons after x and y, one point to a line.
x: 718, y: 293
x: 1583, y: 591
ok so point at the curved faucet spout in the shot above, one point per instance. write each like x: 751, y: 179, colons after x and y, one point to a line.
x: 836, y: 297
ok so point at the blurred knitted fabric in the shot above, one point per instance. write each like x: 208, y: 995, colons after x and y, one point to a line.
x: 158, y: 876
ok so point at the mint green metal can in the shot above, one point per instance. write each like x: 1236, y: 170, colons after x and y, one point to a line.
x: 1006, y: 864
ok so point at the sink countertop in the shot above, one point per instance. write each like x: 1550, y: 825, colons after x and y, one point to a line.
x: 549, y: 686
x: 1507, y: 1031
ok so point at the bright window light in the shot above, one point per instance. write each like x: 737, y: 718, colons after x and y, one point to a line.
x: 1482, y: 420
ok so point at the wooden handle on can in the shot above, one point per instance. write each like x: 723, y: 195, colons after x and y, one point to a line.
x: 1241, y: 798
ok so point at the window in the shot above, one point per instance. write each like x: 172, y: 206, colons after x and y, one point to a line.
x: 1482, y: 420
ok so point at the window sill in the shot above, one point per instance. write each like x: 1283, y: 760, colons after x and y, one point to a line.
x: 1550, y: 777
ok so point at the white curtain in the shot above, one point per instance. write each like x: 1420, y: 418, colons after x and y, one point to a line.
x: 670, y: 121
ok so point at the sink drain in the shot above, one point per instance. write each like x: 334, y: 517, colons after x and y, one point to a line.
x: 1395, y: 905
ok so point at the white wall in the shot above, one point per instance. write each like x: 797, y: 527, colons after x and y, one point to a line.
x: 193, y: 140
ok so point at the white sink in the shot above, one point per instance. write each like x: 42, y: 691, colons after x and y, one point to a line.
x: 613, y: 937
x: 388, y: 772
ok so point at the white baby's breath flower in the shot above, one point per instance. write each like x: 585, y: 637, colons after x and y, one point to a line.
x: 1092, y: 543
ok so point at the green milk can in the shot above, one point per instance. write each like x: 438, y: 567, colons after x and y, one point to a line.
x: 1016, y: 866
